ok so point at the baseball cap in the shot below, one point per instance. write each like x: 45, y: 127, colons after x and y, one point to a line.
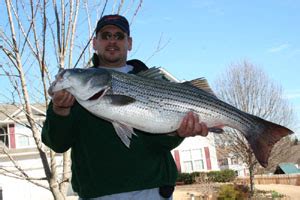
x: 116, y: 20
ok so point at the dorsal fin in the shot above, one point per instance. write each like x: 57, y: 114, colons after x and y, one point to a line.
x: 153, y: 72
x: 157, y: 73
x: 202, y: 84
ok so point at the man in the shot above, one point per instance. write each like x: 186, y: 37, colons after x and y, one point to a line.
x: 103, y: 168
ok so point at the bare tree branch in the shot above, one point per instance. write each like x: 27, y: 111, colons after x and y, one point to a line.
x: 39, y: 39
x: 159, y: 47
x: 248, y: 88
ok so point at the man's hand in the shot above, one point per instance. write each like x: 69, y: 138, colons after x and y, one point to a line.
x: 62, y: 102
x: 190, y: 126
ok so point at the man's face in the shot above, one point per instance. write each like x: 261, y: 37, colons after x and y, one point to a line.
x: 112, y: 45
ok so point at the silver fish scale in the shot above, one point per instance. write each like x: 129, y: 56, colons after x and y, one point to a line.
x: 177, y: 98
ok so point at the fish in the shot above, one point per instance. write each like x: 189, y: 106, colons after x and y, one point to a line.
x: 152, y: 104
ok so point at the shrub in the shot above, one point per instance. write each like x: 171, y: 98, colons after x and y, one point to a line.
x: 223, y: 176
x: 186, y: 178
x: 213, y: 176
x: 229, y: 191
x: 242, y: 188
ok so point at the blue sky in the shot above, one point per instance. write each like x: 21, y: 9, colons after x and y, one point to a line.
x: 202, y: 38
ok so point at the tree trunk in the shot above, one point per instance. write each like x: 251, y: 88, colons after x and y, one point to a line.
x: 251, y: 171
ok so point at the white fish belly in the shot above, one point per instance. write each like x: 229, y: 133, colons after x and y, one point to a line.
x: 133, y: 115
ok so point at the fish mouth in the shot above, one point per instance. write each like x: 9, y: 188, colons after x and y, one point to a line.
x: 98, y: 95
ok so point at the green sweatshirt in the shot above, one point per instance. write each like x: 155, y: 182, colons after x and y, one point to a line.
x: 101, y: 163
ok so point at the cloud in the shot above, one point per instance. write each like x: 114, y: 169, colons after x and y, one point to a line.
x: 278, y: 48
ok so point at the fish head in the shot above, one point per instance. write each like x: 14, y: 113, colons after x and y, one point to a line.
x: 83, y: 84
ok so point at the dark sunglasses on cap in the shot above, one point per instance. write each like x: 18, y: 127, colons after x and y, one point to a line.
x: 110, y: 36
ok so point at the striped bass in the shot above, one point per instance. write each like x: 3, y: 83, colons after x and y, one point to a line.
x: 158, y: 106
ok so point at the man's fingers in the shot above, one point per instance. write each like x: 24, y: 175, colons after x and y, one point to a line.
x: 190, y: 123
x: 191, y: 126
x: 63, y: 99
x: 183, y: 126
x: 204, y: 129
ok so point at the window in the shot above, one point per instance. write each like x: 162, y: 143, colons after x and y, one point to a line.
x: 1, y: 197
x: 199, y: 165
x: 3, y: 136
x: 24, y: 138
x: 192, y: 160
x: 197, y: 154
x: 23, y: 141
x: 234, y: 161
x: 188, y: 166
x: 186, y: 154
x: 223, y: 162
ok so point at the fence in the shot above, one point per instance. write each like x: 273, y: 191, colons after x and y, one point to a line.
x: 272, y: 179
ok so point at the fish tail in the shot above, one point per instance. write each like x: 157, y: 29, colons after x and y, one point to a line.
x: 265, y: 139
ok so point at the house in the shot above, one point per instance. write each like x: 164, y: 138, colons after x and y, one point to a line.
x: 287, y: 168
x: 17, y: 144
x: 13, y: 131
x: 196, y: 154
x: 228, y: 160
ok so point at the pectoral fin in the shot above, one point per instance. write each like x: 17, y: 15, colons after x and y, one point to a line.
x: 216, y: 130
x: 121, y: 100
x: 124, y: 132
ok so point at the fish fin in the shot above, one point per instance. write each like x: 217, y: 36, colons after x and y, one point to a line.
x: 264, y: 141
x: 157, y: 73
x: 124, y: 132
x: 216, y: 130
x: 202, y: 84
x: 121, y: 100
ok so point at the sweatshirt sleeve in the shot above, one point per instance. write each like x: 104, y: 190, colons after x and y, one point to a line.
x: 57, y: 132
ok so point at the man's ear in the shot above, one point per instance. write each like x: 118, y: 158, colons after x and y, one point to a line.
x: 94, y: 43
x: 129, y: 43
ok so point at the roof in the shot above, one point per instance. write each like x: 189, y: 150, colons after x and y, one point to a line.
x: 8, y: 112
x: 287, y: 168
x: 294, y: 156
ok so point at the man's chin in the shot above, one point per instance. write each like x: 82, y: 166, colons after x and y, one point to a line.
x: 113, y: 56
x: 115, y: 61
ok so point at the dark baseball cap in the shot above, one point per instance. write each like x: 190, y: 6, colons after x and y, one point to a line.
x: 116, y: 20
